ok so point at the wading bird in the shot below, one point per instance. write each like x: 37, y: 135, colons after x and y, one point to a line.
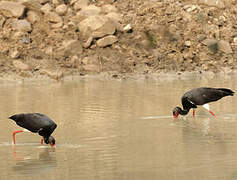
x: 36, y: 123
x: 200, y: 96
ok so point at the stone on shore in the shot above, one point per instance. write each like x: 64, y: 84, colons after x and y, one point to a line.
x: 22, y: 25
x: 106, y: 41
x: 11, y: 9
x: 97, y: 26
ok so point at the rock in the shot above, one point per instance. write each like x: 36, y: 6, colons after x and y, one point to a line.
x: 70, y: 48
x: 72, y: 2
x: 235, y: 40
x: 79, y: 4
x: 57, y: 2
x: 96, y: 26
x: 108, y: 8
x: 190, y: 8
x: 201, y: 37
x: 53, y: 74
x: 74, y: 61
x: 46, y: 8
x: 57, y: 25
x: 225, y: 47
x: 43, y: 1
x: 14, y: 54
x: 53, y: 17
x: 90, y: 10
x: 2, y: 21
x: 91, y: 68
x: 87, y: 44
x: 208, y: 42
x: 127, y: 28
x: 25, y: 39
x: 32, y: 5
x: 61, y: 9
x: 187, y: 17
x: 187, y: 43
x: 22, y: 25
x: 20, y: 65
x: 115, y: 17
x: 32, y: 17
x: 11, y: 9
x: 215, y: 3
x: 106, y: 41
x: 203, y: 56
x: 212, y: 45
x: 49, y: 51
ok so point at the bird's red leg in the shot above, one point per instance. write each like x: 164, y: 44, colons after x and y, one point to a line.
x: 212, y: 113
x: 13, y: 135
x: 193, y: 113
x: 42, y: 141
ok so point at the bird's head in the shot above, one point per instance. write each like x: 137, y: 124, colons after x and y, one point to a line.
x: 49, y: 140
x: 176, y: 111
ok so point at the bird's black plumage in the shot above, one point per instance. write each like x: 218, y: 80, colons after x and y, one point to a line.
x: 36, y: 123
x: 201, y: 96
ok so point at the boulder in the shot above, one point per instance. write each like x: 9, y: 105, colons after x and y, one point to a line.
x: 79, y: 4
x: 61, y: 9
x: 106, y: 41
x: 46, y: 8
x: 87, y: 44
x: 22, y: 25
x: 208, y: 42
x: 53, y: 17
x: 11, y: 9
x: 97, y: 26
x: 33, y: 17
x: 32, y: 5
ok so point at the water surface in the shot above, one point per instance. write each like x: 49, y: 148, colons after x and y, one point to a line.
x: 111, y: 129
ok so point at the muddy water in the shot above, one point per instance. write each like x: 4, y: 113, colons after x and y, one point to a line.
x: 119, y: 130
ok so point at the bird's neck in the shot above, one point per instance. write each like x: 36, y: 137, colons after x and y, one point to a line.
x: 183, y: 111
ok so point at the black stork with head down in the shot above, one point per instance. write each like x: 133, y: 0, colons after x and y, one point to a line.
x: 36, y: 123
x: 200, y: 96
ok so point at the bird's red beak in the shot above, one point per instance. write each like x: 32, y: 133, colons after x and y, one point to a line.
x: 176, y: 114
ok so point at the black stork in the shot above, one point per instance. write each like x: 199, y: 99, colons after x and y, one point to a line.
x: 200, y: 96
x: 36, y: 123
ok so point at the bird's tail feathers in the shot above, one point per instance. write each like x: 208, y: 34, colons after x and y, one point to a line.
x: 227, y: 92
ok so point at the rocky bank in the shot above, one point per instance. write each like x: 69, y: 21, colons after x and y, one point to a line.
x: 57, y: 38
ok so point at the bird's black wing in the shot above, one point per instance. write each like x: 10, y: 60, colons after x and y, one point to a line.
x: 200, y: 96
x: 31, y: 122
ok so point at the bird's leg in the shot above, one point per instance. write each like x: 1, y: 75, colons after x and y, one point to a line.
x: 193, y: 113
x: 212, y: 113
x: 13, y: 135
x: 42, y: 141
x: 206, y: 106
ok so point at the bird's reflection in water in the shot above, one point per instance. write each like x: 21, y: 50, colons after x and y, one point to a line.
x: 45, y: 161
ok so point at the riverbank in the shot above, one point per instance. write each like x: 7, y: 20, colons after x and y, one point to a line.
x: 58, y: 39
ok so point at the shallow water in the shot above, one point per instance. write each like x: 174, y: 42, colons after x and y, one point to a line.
x: 119, y: 130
